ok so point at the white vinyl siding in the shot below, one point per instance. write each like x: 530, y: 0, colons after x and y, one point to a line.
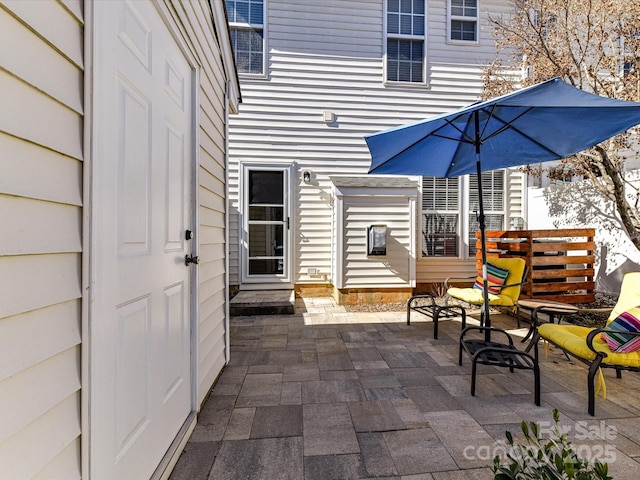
x: 212, y: 288
x: 41, y: 85
x: 41, y: 197
x: 355, y: 212
x: 392, y: 270
x: 281, y: 116
x: 516, y: 200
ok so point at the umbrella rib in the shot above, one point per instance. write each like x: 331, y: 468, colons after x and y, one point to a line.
x: 466, y: 139
x: 459, y: 140
x: 509, y: 125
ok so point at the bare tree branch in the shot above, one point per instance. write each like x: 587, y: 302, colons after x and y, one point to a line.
x: 593, y: 45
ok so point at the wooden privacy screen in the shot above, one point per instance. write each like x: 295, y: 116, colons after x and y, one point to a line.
x: 559, y: 262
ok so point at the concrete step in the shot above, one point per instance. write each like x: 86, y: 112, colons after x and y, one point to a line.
x: 262, y: 302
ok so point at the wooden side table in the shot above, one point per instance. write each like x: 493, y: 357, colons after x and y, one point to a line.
x: 548, y: 307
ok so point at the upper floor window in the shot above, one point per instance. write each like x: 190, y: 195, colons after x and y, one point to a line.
x: 246, y: 24
x: 463, y: 20
x: 630, y: 67
x: 405, y: 40
x: 545, y: 23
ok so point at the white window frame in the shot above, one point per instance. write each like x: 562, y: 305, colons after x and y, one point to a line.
x: 442, y: 212
x: 463, y: 18
x: 464, y: 212
x: 285, y: 279
x: 488, y: 210
x: 399, y: 36
x: 254, y: 26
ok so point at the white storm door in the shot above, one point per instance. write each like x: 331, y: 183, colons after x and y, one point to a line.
x: 267, y: 224
x: 140, y: 335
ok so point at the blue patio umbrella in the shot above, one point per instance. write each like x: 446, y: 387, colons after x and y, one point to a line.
x: 548, y: 121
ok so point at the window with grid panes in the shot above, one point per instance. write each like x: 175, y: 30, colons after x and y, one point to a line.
x: 405, y: 40
x: 440, y: 210
x: 463, y: 20
x: 246, y: 27
x: 493, y: 197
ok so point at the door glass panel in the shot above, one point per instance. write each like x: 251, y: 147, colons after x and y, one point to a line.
x: 265, y: 267
x: 266, y: 240
x: 266, y: 222
x: 265, y: 213
x: 265, y: 187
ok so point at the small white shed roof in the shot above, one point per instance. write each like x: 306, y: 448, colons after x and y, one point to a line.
x: 373, y: 181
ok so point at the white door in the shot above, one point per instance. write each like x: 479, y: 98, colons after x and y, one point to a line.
x: 267, y: 224
x: 140, y: 353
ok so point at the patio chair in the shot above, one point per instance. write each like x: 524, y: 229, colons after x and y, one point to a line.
x: 590, y: 347
x: 506, y: 277
x: 505, y: 296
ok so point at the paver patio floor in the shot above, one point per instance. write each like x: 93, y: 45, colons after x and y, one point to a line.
x: 325, y: 395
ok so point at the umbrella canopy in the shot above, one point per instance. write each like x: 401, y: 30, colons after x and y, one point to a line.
x: 548, y: 121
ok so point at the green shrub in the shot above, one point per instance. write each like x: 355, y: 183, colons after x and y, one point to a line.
x: 545, y: 458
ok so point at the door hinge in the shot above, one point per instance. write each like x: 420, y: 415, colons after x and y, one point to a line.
x: 191, y: 259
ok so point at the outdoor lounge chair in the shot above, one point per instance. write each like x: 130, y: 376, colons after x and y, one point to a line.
x: 587, y: 345
x: 505, y: 278
x: 505, y: 295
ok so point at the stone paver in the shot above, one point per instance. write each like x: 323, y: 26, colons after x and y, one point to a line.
x: 328, y: 430
x: 375, y: 416
x: 196, y: 461
x: 325, y: 394
x: 334, y: 466
x: 276, y: 458
x: 418, y: 451
x: 277, y: 421
x: 239, y: 427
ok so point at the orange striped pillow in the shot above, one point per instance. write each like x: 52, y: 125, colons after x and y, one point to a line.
x: 496, y: 277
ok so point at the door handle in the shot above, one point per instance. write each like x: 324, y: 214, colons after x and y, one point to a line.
x: 191, y: 259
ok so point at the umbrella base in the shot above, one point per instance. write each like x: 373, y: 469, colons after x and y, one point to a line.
x: 498, y: 354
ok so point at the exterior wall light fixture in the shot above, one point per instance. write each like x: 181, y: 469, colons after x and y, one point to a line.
x: 517, y: 223
x: 377, y: 240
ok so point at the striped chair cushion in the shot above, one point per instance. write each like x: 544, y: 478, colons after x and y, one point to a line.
x: 628, y: 321
x: 496, y: 277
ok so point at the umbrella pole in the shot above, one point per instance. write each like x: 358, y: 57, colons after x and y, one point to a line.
x: 483, y: 243
x: 483, y: 240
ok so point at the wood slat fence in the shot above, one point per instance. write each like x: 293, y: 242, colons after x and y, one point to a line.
x: 560, y: 263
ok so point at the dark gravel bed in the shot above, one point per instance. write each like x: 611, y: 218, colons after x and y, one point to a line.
x: 604, y: 301
x: 377, y: 307
x: 587, y: 318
